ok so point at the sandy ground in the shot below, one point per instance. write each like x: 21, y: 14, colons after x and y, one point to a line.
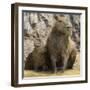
x: 70, y: 72
x: 30, y: 73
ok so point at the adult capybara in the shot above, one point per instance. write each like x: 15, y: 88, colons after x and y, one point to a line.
x: 60, y: 45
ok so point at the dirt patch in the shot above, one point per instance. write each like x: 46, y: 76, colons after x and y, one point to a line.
x: 30, y: 73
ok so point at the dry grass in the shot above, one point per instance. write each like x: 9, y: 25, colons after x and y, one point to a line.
x: 30, y: 73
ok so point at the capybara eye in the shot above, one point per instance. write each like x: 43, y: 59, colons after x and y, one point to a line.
x: 60, y: 20
x: 68, y: 27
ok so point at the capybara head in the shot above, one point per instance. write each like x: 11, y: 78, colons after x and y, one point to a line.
x: 62, y: 25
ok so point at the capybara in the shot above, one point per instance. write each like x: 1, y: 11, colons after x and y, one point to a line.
x: 60, y: 45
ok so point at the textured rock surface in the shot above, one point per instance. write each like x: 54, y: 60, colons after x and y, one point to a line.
x: 38, y: 26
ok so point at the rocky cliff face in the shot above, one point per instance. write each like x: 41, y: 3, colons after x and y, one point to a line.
x: 38, y: 26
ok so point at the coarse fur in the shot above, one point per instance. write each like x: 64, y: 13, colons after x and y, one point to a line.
x: 60, y: 45
x: 39, y: 58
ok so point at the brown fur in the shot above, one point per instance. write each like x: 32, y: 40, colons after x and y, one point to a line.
x: 39, y: 59
x: 60, y: 45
